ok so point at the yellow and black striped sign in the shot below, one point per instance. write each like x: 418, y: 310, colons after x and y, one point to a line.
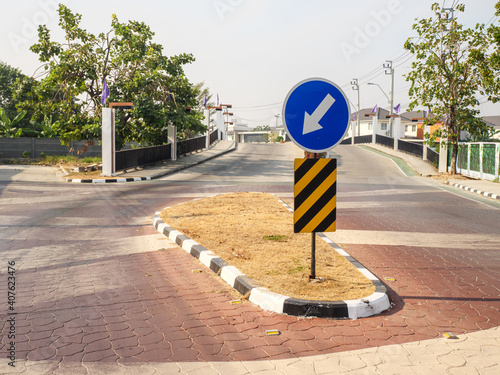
x: 315, y: 195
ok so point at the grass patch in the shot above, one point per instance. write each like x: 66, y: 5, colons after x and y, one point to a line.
x: 276, y: 237
x: 70, y: 160
x: 50, y: 160
x: 234, y: 227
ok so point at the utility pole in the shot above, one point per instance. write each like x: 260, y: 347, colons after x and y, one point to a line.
x: 225, y: 107
x: 355, y: 87
x: 276, y: 124
x: 390, y: 70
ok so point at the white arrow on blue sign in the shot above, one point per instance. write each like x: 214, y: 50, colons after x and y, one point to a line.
x: 316, y: 114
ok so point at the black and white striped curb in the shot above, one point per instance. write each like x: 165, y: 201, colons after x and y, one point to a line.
x: 476, y: 191
x: 106, y: 180
x: 268, y: 300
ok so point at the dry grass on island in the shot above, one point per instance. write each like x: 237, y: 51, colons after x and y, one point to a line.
x: 254, y: 233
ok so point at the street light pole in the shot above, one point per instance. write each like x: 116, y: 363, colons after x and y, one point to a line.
x: 383, y: 92
x: 390, y: 70
x: 355, y: 87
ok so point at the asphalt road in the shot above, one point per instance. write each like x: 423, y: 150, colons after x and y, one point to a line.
x: 97, y: 288
x: 251, y: 164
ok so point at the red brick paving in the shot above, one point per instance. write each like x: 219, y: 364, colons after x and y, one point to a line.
x: 175, y: 329
x: 111, y: 310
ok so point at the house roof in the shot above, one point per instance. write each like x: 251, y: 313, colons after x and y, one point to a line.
x: 492, y: 121
x: 381, y: 113
x: 410, y: 115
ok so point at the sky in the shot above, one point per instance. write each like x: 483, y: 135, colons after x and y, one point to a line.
x: 252, y: 52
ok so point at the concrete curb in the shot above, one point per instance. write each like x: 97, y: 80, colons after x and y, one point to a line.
x: 476, y: 191
x: 106, y: 180
x: 154, y: 176
x: 268, y: 300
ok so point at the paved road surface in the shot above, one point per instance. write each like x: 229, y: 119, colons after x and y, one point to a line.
x: 99, y: 291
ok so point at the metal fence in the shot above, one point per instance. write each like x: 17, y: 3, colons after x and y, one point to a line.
x: 363, y: 139
x: 191, y: 145
x: 411, y: 148
x: 125, y: 159
x: 433, y: 156
x: 214, y: 136
x: 384, y: 141
x: 140, y: 157
x: 128, y: 157
x: 346, y: 141
x: 489, y: 158
x: 480, y: 160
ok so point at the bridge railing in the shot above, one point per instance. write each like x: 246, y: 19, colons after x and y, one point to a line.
x: 384, y: 141
x: 139, y: 157
x: 411, y: 148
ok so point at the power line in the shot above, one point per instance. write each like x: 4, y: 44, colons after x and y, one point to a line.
x: 260, y: 106
x: 405, y: 55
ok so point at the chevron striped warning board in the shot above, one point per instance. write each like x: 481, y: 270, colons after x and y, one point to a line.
x: 315, y: 195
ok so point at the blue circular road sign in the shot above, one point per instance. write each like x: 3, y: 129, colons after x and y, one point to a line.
x: 316, y: 114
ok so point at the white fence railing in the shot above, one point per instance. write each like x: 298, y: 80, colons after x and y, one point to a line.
x: 478, y: 159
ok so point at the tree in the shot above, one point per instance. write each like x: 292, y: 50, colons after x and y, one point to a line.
x: 203, y: 100
x: 48, y: 129
x: 446, y: 75
x: 489, y: 63
x: 8, y: 128
x: 14, y: 89
x: 135, y: 70
x: 8, y: 76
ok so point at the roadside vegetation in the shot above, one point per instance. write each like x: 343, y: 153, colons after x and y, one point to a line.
x: 455, y: 66
x: 64, y: 97
x: 54, y: 160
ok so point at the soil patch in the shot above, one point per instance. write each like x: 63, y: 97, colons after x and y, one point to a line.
x: 85, y: 175
x: 254, y: 233
x: 449, y: 176
x: 56, y: 163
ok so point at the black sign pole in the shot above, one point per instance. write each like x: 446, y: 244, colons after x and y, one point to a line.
x: 313, y: 238
x: 313, y: 257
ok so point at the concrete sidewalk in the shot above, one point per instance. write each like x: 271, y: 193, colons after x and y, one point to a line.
x: 423, y: 168
x: 166, y: 167
x: 473, y: 353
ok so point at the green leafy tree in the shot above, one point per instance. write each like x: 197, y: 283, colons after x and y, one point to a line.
x: 202, y: 94
x: 8, y: 77
x: 489, y: 62
x: 135, y: 70
x: 15, y: 87
x: 8, y: 128
x: 48, y: 128
x: 446, y: 75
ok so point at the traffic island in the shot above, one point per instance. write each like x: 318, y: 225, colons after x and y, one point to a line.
x: 291, y: 293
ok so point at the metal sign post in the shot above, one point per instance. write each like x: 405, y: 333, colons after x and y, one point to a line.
x: 316, y: 115
x: 312, y: 276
